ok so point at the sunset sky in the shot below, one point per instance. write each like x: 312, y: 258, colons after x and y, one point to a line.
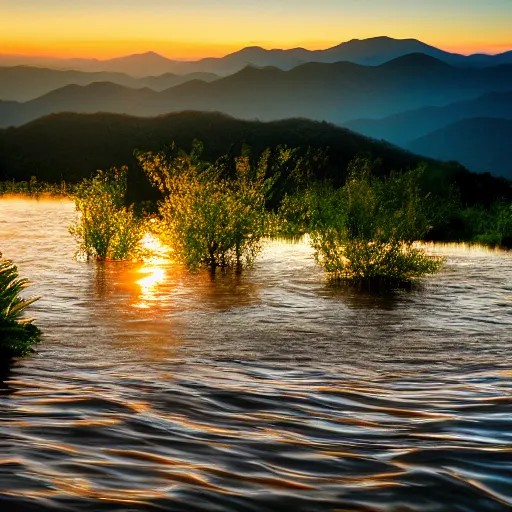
x: 193, y: 29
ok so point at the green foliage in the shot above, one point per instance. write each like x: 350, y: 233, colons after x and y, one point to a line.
x: 489, y: 226
x: 17, y: 334
x: 105, y: 228
x: 35, y: 188
x: 212, y: 214
x: 364, y: 232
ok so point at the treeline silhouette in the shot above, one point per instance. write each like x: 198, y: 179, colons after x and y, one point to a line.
x: 70, y: 147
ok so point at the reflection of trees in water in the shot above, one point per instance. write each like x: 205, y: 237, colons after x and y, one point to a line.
x: 225, y: 290
x: 365, y: 299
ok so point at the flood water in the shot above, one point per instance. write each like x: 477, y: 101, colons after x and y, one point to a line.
x: 155, y: 389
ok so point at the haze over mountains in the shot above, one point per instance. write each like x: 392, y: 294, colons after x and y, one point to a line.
x: 403, y: 128
x: 402, y: 91
x: 24, y: 83
x: 482, y: 144
x: 372, y: 52
x: 335, y: 92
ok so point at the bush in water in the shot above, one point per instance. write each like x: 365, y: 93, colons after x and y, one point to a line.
x: 364, y: 232
x: 106, y: 229
x: 213, y: 214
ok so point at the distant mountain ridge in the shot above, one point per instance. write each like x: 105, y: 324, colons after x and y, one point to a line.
x: 335, y: 92
x: 373, y: 51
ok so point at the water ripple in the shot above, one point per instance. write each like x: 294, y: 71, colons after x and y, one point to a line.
x: 269, y: 392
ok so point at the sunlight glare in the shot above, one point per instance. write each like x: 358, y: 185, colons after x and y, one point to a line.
x: 156, y: 252
x: 154, y: 273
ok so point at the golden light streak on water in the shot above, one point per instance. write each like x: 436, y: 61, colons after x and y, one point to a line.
x: 149, y: 285
x: 156, y: 255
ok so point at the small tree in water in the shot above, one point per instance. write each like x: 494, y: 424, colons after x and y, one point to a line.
x: 364, y: 232
x: 213, y: 214
x: 105, y: 228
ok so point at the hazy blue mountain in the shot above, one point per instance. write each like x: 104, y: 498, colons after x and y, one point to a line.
x: 96, y: 97
x: 167, y: 80
x: 480, y: 144
x: 23, y: 83
x: 331, y: 92
x: 403, y: 128
x: 143, y: 64
x: 372, y: 51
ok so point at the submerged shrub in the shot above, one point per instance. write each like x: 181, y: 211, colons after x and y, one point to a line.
x: 213, y: 214
x: 106, y: 229
x: 17, y: 334
x: 364, y: 232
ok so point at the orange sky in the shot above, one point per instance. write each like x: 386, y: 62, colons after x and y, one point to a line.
x: 200, y: 28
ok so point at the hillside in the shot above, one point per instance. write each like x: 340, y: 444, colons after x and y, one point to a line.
x: 24, y: 83
x: 403, y: 128
x: 480, y: 144
x: 72, y: 146
x: 373, y: 51
x: 332, y: 92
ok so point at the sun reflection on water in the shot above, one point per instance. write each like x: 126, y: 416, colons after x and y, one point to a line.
x: 154, y: 273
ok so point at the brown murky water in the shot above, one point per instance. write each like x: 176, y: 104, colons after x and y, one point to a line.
x: 155, y: 389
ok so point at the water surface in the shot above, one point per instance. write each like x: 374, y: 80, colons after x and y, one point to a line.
x: 155, y: 389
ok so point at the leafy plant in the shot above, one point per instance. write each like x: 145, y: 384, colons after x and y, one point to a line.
x: 17, y: 334
x: 364, y: 232
x: 212, y: 214
x: 106, y: 229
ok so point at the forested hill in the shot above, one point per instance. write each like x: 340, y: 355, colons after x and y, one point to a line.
x: 71, y: 146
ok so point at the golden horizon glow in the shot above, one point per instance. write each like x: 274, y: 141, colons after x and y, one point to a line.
x: 195, y: 29
x: 104, y: 50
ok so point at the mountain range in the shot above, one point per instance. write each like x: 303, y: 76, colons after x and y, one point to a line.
x: 372, y: 51
x: 442, y: 105
x: 335, y: 92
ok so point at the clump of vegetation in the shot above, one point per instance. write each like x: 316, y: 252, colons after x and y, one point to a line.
x: 35, y: 188
x: 212, y: 215
x: 17, y: 334
x: 106, y: 229
x: 364, y: 232
x: 490, y: 226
